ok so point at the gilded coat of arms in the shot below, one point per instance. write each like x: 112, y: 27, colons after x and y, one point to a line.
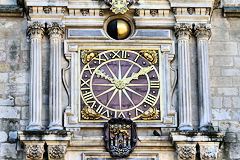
x: 120, y: 137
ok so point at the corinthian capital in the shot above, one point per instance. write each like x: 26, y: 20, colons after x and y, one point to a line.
x: 36, y: 30
x: 183, y: 30
x: 55, y: 30
x: 202, y: 30
x: 56, y: 152
x: 34, y: 151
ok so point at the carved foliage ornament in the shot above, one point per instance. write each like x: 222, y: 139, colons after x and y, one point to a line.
x: 56, y: 151
x: 36, y: 29
x: 186, y: 152
x: 183, y: 30
x: 120, y: 137
x: 208, y: 152
x: 55, y: 29
x: 202, y: 30
x: 119, y: 6
x: 34, y: 151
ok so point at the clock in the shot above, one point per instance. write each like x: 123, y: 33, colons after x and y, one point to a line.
x: 120, y: 84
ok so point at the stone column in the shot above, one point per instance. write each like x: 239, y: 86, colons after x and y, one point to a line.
x: 36, y: 32
x: 202, y: 32
x: 55, y: 32
x: 183, y: 33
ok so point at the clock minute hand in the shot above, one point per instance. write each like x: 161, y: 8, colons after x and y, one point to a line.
x: 102, y: 74
x: 142, y: 71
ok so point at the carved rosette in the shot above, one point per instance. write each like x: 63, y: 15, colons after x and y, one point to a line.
x: 186, y: 152
x: 208, y: 152
x: 183, y: 30
x: 56, y: 151
x: 55, y: 30
x: 36, y: 30
x: 203, y: 30
x: 34, y: 151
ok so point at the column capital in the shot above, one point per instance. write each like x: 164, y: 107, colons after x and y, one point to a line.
x: 35, y: 30
x: 34, y: 151
x: 55, y: 30
x: 186, y: 151
x: 56, y: 152
x: 183, y: 30
x: 202, y: 30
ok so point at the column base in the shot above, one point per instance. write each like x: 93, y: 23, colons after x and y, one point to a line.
x: 35, y: 127
x: 55, y: 126
x: 185, y: 127
x: 206, y: 127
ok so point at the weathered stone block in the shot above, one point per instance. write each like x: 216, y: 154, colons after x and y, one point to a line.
x: 10, y: 112
x: 25, y: 112
x: 8, y: 150
x: 216, y: 102
x: 218, y: 34
x: 228, y: 91
x: 3, y: 77
x: 221, y: 114
x: 215, y: 71
x: 236, y: 81
x: 221, y: 82
x: 234, y: 151
x: 227, y: 102
x: 223, y: 48
x: 235, y: 115
x: 3, y: 56
x: 4, y: 67
x: 3, y: 136
x: 230, y: 137
x: 236, y: 102
x: 13, y: 136
x: 230, y: 72
x: 223, y: 61
x: 21, y: 100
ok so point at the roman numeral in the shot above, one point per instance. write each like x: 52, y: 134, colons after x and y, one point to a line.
x: 100, y: 110
x: 138, y: 110
x: 115, y: 54
x: 121, y: 114
x: 88, y: 68
x: 100, y: 59
x: 85, y: 83
x: 150, y: 99
x: 155, y: 84
x: 87, y: 96
x: 124, y: 54
x: 135, y: 60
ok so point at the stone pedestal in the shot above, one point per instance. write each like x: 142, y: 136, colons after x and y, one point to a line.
x: 183, y: 33
x: 202, y: 32
x: 55, y: 32
x: 35, y: 31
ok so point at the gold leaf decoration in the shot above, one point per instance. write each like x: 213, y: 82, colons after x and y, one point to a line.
x: 88, y: 55
x: 89, y: 114
x: 151, y: 56
x: 150, y: 114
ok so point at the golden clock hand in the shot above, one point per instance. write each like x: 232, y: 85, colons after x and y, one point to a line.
x: 142, y: 71
x: 102, y: 74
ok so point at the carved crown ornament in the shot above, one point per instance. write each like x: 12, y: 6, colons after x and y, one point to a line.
x: 119, y: 6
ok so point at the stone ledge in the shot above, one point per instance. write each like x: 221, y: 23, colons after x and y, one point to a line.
x: 231, y: 11
x: 11, y: 11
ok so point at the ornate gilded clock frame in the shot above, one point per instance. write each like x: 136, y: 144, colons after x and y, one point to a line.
x: 71, y: 79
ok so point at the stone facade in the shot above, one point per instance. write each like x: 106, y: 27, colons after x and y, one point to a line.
x: 39, y: 42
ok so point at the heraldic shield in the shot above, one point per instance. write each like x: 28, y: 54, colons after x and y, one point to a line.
x: 120, y: 137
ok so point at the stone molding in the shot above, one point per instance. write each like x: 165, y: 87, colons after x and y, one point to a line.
x: 202, y: 30
x: 34, y: 151
x: 186, y: 151
x: 183, y: 30
x: 56, y: 152
x: 36, y: 30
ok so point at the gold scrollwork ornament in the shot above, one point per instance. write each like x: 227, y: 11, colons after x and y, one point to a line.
x: 88, y: 55
x: 89, y: 114
x: 151, y: 56
x: 150, y: 114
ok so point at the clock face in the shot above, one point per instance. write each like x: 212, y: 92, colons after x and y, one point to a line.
x: 119, y: 83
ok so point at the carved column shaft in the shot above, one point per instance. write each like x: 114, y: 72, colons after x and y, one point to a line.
x: 35, y: 31
x: 202, y: 32
x: 183, y: 33
x: 55, y: 32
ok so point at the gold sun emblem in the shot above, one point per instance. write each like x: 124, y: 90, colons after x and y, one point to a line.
x: 119, y: 6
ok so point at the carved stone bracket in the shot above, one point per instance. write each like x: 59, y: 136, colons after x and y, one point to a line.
x: 56, y: 152
x: 209, y: 151
x: 34, y: 151
x: 186, y: 151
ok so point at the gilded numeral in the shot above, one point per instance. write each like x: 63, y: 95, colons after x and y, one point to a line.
x: 124, y: 54
x: 155, y: 84
x: 138, y: 110
x: 87, y: 96
x: 85, y: 83
x: 121, y: 115
x: 135, y: 60
x: 102, y: 57
x: 116, y: 54
x: 99, y: 109
x: 88, y: 68
x: 150, y: 99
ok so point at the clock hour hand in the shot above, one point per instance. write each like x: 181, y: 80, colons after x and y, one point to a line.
x: 135, y: 76
x: 102, y: 74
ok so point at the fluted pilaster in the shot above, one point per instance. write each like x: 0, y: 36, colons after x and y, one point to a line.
x: 183, y: 33
x: 35, y: 31
x: 202, y: 32
x: 55, y: 32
